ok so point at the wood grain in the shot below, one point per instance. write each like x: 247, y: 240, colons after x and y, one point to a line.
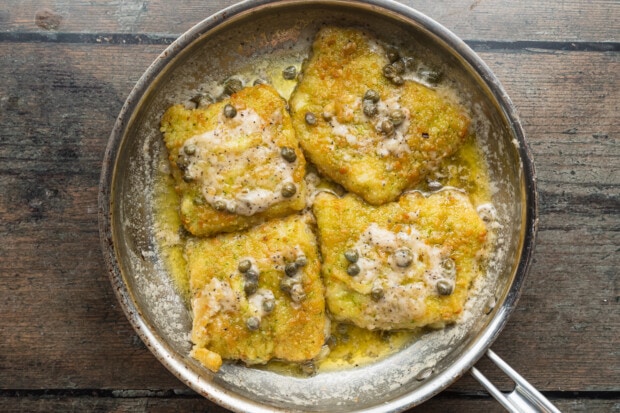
x: 65, y: 326
x: 174, y: 404
x: 57, y: 115
x: 495, y: 20
x: 65, y: 343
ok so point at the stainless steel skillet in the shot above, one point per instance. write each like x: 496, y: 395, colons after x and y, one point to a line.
x: 254, y: 36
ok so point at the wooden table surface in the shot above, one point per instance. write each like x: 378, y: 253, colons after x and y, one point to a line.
x: 66, y: 67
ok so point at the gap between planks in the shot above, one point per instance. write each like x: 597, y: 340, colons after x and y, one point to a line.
x: 166, y: 39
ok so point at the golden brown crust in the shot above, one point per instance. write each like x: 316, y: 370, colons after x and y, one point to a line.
x: 246, y: 157
x: 295, y: 329
x: 345, y: 143
x: 443, y: 226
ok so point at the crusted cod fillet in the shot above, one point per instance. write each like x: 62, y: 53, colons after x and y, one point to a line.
x: 257, y: 294
x: 236, y: 171
x: 345, y: 134
x: 401, y: 265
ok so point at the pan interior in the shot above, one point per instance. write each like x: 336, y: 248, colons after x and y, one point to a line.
x: 284, y: 32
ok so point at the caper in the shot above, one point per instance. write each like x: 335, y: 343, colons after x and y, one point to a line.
x: 259, y: 81
x: 444, y: 287
x: 251, y: 275
x: 202, y: 99
x: 397, y: 117
x: 289, y: 73
x: 286, y: 284
x: 187, y: 177
x: 268, y: 305
x: 310, y: 118
x: 308, y: 368
x: 448, y: 264
x: 190, y: 149
x: 392, y: 53
x: 353, y: 269
x: 232, y: 86
x: 389, y: 71
x: 290, y: 269
x: 288, y: 190
x: 399, y: 67
x: 377, y: 293
x: 301, y: 261
x: 252, y: 323
x: 244, y: 265
x: 398, y: 80
x: 297, y: 293
x: 387, y: 127
x: 230, y: 111
x: 351, y: 255
x: 250, y: 287
x: 430, y: 75
x: 219, y: 205
x: 288, y: 154
x: 182, y: 162
x: 403, y: 257
x: 372, y: 95
x: 369, y: 108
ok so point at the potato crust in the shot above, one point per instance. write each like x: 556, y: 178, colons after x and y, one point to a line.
x: 294, y: 330
x: 347, y: 144
x: 243, y: 153
x: 447, y: 241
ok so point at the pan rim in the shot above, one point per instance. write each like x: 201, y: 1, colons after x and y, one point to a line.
x: 168, y: 356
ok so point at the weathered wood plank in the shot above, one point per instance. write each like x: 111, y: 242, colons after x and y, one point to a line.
x: 57, y: 106
x: 572, y: 294
x: 495, y: 20
x: 94, y: 404
x: 60, y: 321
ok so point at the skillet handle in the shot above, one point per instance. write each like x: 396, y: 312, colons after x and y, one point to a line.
x: 523, y: 399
